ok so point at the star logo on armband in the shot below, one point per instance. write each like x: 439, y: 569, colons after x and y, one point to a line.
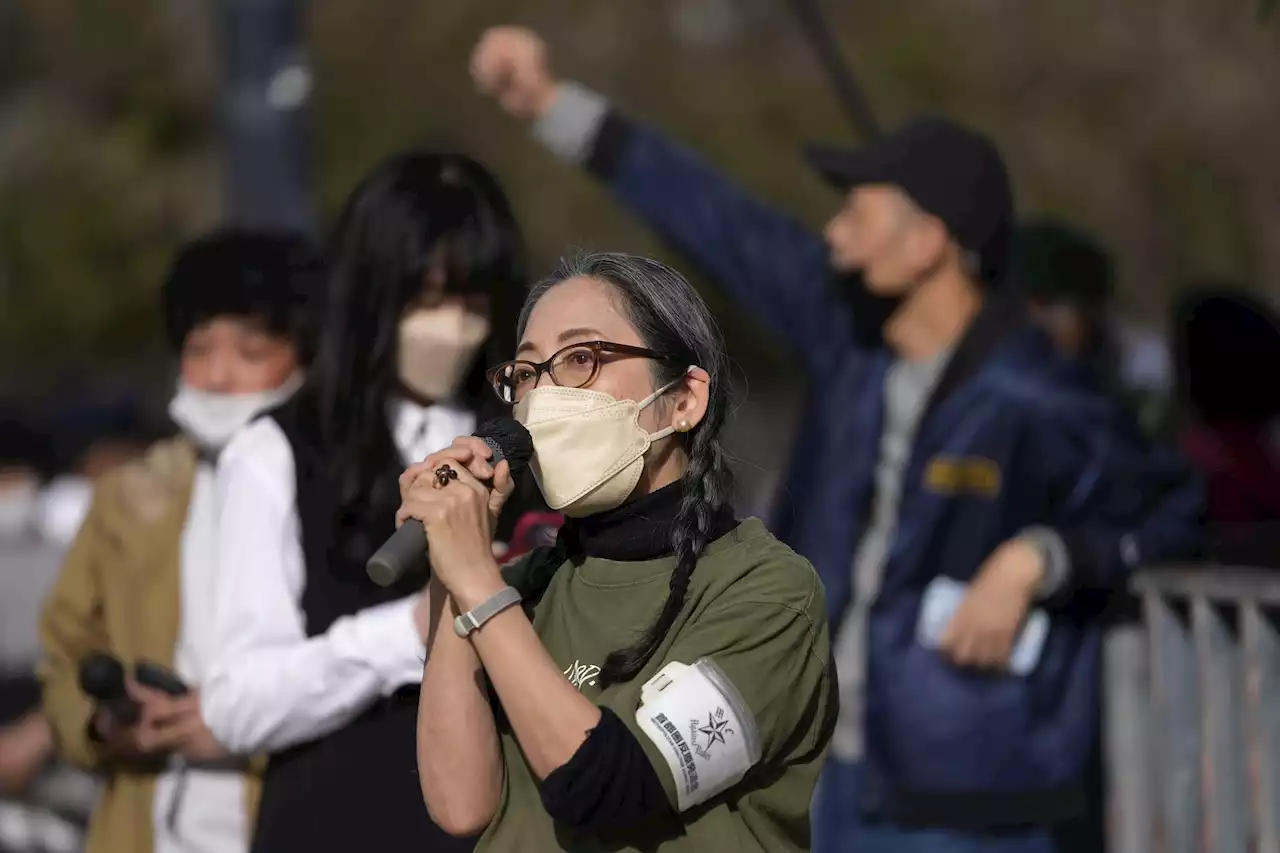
x: 716, y: 728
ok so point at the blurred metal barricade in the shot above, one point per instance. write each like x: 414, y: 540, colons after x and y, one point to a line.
x: 1192, y: 716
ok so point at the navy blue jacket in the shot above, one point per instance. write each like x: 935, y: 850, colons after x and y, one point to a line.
x: 1012, y: 437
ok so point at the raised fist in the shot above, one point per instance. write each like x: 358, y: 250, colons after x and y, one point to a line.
x: 510, y: 64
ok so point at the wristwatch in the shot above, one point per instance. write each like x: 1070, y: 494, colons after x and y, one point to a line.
x: 467, y: 622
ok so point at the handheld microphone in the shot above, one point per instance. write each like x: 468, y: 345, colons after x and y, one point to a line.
x: 406, y: 550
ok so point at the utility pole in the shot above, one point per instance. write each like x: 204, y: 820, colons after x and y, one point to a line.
x: 263, y: 116
x: 839, y: 73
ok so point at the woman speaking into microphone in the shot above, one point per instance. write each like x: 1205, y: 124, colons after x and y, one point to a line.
x: 659, y: 679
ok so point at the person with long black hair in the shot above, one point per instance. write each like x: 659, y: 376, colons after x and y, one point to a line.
x: 319, y: 665
x: 666, y: 684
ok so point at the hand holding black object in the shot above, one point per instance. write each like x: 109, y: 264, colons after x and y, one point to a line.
x: 459, y: 519
x: 498, y: 450
x: 102, y: 679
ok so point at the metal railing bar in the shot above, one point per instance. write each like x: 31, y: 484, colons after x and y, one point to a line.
x: 1175, y: 714
x: 1223, y: 793
x: 1127, y: 730
x: 1260, y: 645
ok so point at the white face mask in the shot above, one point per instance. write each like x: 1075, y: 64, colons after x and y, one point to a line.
x: 588, y: 447
x: 437, y: 345
x: 211, y: 419
x: 17, y: 509
x: 62, y: 507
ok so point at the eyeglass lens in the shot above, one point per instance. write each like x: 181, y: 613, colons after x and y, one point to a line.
x: 573, y: 367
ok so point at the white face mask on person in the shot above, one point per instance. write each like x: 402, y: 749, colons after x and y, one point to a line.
x: 210, y: 419
x: 18, y: 501
x: 62, y: 507
x: 437, y: 345
x: 589, y: 448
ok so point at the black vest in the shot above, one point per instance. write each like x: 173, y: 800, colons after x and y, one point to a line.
x: 357, y: 788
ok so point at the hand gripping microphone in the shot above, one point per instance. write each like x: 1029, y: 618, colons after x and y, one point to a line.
x: 406, y: 550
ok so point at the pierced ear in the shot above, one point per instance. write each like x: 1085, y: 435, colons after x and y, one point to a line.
x: 691, y: 407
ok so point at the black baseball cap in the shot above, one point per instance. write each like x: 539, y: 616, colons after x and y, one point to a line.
x: 948, y: 170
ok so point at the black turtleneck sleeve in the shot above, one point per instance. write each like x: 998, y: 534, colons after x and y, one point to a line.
x: 608, y: 783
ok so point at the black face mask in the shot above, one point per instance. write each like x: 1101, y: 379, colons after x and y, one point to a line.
x: 869, y: 312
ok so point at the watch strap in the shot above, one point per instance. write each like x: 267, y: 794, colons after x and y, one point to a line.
x: 465, y: 623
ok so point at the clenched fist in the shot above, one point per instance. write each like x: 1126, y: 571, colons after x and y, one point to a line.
x: 510, y: 64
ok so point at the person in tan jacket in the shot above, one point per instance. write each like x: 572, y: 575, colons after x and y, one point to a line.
x: 136, y: 580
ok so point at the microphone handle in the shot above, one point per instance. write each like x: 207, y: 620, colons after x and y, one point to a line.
x: 404, y: 552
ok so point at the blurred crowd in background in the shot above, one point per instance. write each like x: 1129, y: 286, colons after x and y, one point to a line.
x: 1141, y: 141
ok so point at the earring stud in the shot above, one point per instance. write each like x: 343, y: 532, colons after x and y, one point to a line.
x: 683, y: 426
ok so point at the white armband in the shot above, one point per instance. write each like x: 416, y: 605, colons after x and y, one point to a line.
x: 703, y: 728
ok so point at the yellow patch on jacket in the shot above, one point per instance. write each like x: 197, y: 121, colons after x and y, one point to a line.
x: 956, y: 475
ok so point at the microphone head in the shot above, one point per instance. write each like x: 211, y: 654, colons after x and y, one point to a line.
x: 101, y: 676
x: 509, y: 440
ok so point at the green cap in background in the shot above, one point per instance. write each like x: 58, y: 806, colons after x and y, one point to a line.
x: 1054, y: 263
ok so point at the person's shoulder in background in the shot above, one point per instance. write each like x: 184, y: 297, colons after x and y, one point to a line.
x: 749, y: 565
x: 259, y: 458
x: 145, y: 489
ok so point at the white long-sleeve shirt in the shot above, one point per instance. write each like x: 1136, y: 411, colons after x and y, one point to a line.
x: 271, y: 685
x: 199, y: 809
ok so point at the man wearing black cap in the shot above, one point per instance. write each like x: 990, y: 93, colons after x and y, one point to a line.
x: 951, y: 481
